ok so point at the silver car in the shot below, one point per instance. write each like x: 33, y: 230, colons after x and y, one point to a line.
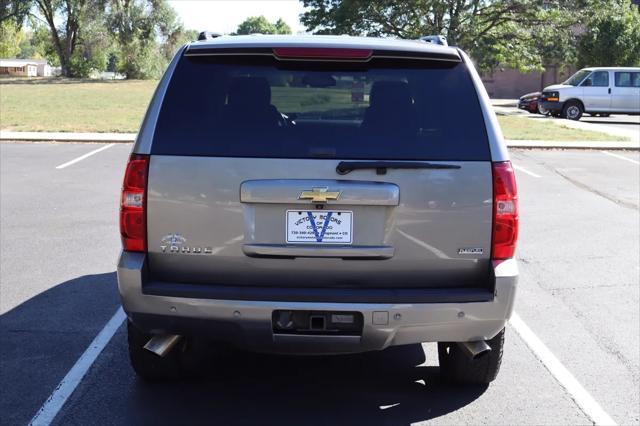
x: 319, y: 195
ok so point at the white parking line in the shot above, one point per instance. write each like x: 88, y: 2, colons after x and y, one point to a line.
x: 577, y: 392
x: 523, y: 170
x: 82, y: 157
x: 65, y: 388
x: 620, y: 157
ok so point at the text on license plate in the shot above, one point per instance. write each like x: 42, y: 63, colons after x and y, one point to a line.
x: 319, y: 226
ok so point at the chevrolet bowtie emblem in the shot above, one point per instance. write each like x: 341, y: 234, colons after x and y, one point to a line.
x: 319, y: 195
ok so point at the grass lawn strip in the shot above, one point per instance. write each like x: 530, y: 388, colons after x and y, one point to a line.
x: 72, y: 105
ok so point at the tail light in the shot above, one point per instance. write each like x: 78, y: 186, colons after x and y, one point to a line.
x: 505, y: 212
x: 133, y: 215
x: 322, y: 53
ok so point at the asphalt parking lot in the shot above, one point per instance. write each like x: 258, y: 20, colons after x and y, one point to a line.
x: 579, y: 293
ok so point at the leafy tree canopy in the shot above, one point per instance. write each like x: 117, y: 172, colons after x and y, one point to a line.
x: 260, y: 25
x: 493, y: 32
x: 613, y: 36
x: 147, y: 33
x: 10, y: 38
x: 14, y: 10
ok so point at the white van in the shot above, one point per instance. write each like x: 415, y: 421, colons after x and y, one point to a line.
x: 601, y: 90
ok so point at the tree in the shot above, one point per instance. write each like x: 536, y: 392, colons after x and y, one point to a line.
x: 260, y: 25
x: 14, y: 10
x: 141, y: 28
x: 282, y: 27
x: 37, y: 43
x: 612, y: 36
x: 493, y: 32
x: 66, y: 20
x: 10, y: 38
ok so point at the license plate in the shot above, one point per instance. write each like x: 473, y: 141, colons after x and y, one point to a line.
x: 319, y: 227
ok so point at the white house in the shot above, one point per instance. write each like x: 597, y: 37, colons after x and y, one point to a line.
x: 25, y: 67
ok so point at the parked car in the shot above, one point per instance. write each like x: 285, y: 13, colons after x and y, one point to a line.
x: 601, y: 91
x: 531, y: 102
x: 323, y: 195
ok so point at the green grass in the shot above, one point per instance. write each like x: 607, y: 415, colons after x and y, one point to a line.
x: 523, y: 128
x: 67, y: 105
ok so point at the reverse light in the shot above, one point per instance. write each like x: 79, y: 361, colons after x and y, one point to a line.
x: 505, y: 212
x: 133, y: 223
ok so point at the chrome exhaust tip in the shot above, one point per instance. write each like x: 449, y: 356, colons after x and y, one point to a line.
x: 475, y: 350
x: 162, y: 344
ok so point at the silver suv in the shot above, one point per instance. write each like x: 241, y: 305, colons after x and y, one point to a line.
x: 319, y: 195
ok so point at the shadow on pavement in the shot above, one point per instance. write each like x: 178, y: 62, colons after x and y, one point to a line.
x: 242, y: 388
x: 42, y: 338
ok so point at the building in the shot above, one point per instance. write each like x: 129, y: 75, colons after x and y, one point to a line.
x: 507, y: 83
x: 25, y: 67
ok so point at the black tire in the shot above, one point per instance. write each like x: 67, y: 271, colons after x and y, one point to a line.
x: 457, y: 367
x: 572, y: 110
x: 149, y: 366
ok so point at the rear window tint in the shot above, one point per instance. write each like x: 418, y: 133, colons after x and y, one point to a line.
x: 262, y: 107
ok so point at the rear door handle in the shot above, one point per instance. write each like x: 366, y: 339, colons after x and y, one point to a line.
x: 609, y: 90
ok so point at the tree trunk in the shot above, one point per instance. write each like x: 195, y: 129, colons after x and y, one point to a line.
x: 64, y: 50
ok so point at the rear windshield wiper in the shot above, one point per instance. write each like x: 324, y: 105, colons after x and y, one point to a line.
x: 381, y: 167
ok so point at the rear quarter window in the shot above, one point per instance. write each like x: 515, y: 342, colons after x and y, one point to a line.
x: 262, y: 107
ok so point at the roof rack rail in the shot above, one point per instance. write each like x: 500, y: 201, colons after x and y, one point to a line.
x: 208, y: 35
x: 435, y: 39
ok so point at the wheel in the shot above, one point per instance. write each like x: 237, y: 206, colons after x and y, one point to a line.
x: 542, y: 110
x: 572, y: 110
x: 148, y: 365
x: 457, y: 367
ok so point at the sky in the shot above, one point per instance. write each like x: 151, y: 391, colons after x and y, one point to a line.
x: 224, y: 16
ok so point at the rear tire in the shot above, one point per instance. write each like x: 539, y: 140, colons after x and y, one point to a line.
x: 457, y: 367
x: 149, y: 366
x: 572, y: 110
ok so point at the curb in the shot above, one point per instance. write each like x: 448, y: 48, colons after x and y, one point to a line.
x: 67, y: 137
x: 131, y: 137
x: 609, y: 145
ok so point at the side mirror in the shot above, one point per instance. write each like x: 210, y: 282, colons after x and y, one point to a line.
x: 587, y: 83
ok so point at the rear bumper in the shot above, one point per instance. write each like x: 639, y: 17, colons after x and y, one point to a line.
x: 248, y: 323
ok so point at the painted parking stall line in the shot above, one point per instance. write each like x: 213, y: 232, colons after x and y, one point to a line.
x: 621, y: 157
x: 82, y: 157
x: 68, y: 384
x: 577, y: 392
x: 523, y: 170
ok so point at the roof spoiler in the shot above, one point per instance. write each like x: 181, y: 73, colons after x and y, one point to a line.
x: 208, y: 35
x: 435, y: 39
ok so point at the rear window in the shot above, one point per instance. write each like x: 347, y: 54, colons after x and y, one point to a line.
x: 262, y: 107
